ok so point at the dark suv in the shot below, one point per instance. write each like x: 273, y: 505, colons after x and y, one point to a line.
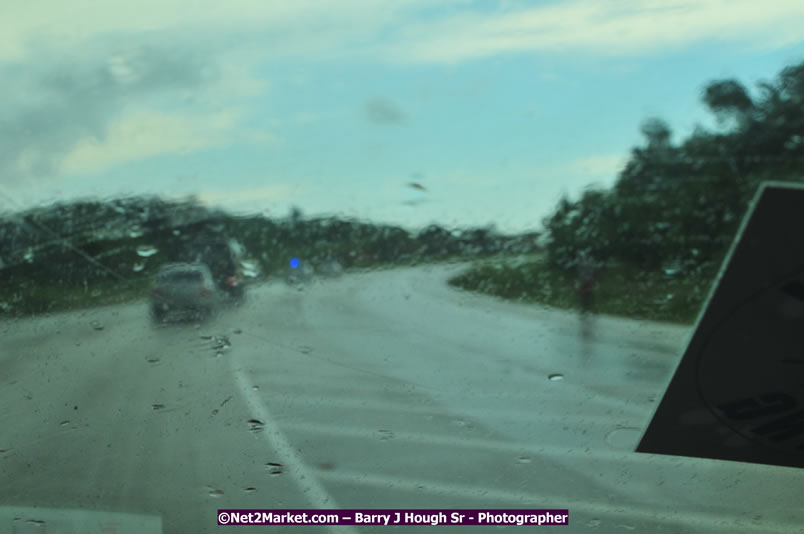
x: 223, y: 257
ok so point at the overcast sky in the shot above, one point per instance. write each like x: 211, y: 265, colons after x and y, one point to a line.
x: 494, y: 108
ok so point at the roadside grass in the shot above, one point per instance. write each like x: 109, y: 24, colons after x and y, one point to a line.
x: 32, y: 297
x: 621, y: 290
x: 43, y: 297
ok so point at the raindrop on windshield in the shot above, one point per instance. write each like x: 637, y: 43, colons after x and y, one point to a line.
x: 39, y: 524
x: 219, y: 343
x: 524, y: 459
x: 96, y: 325
x: 274, y: 468
x: 555, y: 377
x: 255, y: 425
x: 138, y: 267
x: 250, y: 268
x: 215, y: 492
x: 146, y: 251
x: 672, y: 268
x: 624, y: 438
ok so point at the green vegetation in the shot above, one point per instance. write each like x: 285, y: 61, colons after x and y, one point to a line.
x: 675, y: 208
x: 656, y: 238
x: 622, y: 290
x: 55, y: 297
x: 89, y: 253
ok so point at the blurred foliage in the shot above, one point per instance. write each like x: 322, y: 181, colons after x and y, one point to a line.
x: 657, y: 238
x: 682, y: 203
x: 622, y: 290
x: 95, y: 252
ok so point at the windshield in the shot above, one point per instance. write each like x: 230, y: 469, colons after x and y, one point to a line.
x: 455, y: 252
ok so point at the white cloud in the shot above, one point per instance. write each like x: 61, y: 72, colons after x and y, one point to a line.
x: 147, y: 134
x: 300, y: 26
x: 258, y: 138
x: 307, y: 117
x: 262, y: 193
x: 606, y: 164
x: 233, y: 38
x: 275, y: 198
x: 406, y: 30
x: 144, y: 135
x: 600, y: 28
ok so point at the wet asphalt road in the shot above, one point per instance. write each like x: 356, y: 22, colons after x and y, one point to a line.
x: 376, y: 390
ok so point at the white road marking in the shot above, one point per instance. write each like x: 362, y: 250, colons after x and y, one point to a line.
x: 304, y: 477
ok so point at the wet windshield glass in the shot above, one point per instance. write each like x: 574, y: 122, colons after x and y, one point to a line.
x: 452, y: 253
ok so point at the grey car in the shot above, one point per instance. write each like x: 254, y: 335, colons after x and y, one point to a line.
x: 183, y: 289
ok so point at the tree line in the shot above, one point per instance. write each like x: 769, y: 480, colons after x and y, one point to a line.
x: 678, y: 206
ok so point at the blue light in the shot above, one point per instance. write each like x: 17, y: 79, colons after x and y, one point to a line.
x: 294, y: 263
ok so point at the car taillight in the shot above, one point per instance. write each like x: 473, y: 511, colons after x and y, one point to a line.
x: 231, y: 282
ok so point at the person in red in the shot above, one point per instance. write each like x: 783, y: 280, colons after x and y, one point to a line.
x: 586, y: 295
x: 586, y: 283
